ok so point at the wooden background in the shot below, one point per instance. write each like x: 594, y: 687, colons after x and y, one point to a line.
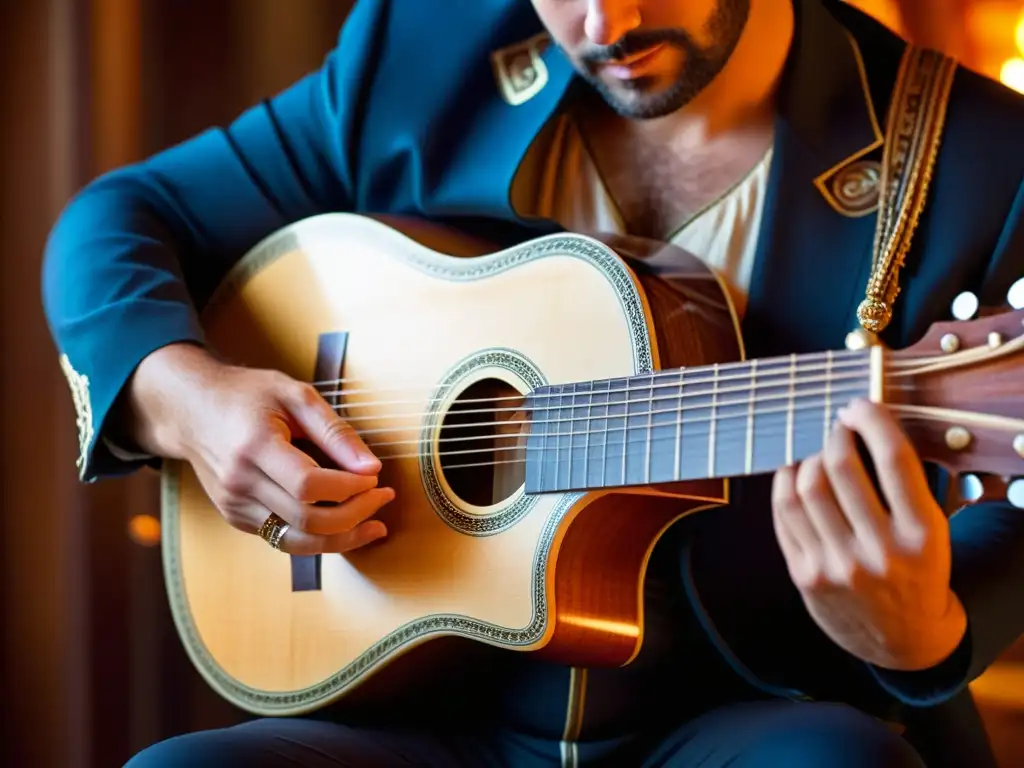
x: 92, y: 667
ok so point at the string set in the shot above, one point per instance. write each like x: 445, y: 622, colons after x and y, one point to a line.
x: 730, y: 394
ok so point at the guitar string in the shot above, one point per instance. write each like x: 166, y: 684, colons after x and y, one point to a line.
x: 733, y: 365
x: 765, y: 379
x: 607, y: 429
x: 805, y: 359
x: 731, y: 429
x: 597, y: 417
x: 696, y: 376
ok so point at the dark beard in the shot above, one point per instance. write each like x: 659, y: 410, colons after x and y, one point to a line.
x: 700, y: 66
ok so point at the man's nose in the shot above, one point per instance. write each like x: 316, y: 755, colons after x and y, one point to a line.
x: 608, y: 20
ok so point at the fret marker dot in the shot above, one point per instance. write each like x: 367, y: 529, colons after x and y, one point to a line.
x: 957, y: 438
x: 995, y: 339
x: 949, y: 343
x: 1018, y: 445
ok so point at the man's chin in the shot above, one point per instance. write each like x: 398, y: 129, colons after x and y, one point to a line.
x: 641, y: 98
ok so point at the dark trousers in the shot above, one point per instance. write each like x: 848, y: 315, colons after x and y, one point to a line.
x: 766, y: 734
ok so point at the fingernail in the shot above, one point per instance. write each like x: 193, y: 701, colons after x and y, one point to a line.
x: 843, y: 414
x: 369, y: 461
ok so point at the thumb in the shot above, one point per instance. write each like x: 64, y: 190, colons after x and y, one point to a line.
x: 329, y: 432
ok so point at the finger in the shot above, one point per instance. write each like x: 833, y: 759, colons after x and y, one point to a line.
x: 789, y: 513
x: 900, y: 472
x: 326, y: 429
x: 321, y: 520
x: 298, y: 542
x: 855, y: 492
x: 797, y: 539
x: 298, y: 474
x: 782, y: 497
x: 822, y: 509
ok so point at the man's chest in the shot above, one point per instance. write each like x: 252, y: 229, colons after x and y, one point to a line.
x: 659, y: 187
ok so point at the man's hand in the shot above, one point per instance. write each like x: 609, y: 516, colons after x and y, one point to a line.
x: 874, y: 575
x: 235, y: 426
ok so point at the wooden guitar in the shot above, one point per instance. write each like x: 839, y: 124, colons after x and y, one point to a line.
x: 545, y: 412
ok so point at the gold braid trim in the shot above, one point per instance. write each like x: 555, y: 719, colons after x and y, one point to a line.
x: 917, y: 114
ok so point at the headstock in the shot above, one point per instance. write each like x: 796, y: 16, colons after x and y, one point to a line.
x: 959, y: 392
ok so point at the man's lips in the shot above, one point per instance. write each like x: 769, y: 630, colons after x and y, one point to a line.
x: 633, y: 65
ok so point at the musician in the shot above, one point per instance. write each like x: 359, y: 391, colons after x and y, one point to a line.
x: 802, y: 625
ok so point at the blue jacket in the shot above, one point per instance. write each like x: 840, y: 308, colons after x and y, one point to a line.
x: 405, y: 122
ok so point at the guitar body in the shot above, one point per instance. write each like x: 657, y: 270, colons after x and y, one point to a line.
x: 413, y: 317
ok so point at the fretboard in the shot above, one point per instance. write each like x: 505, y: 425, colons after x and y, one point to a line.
x: 708, y: 422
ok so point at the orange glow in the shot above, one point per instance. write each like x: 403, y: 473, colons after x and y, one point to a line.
x: 1020, y: 33
x: 604, y: 625
x: 144, y: 530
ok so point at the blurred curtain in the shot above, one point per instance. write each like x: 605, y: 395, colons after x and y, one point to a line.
x: 93, y: 668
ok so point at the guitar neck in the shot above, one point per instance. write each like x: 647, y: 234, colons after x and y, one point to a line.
x: 708, y: 422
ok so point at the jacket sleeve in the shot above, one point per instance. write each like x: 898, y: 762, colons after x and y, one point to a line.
x: 137, y: 251
x: 987, y: 543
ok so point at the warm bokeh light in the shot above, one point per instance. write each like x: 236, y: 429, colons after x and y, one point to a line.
x: 144, y: 530
x: 1020, y: 33
x: 1012, y: 74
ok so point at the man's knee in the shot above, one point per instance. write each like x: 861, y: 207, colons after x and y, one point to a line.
x: 832, y: 736
x: 781, y: 733
x: 195, y: 750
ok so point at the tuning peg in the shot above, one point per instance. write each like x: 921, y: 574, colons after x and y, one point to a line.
x: 1015, y: 296
x: 965, y: 306
x: 1015, y: 493
x: 971, y: 488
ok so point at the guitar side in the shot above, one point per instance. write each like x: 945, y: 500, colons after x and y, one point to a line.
x: 559, y: 575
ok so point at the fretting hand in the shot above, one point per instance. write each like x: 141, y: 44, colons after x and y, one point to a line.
x: 874, y: 574
x: 235, y: 426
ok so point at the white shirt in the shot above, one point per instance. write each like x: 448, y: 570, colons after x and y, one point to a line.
x: 559, y: 181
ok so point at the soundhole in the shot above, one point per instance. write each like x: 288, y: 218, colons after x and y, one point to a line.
x: 482, y: 445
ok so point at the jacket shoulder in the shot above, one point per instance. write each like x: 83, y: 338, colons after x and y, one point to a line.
x: 978, y: 105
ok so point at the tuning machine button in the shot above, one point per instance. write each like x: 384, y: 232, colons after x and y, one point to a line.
x: 1015, y: 296
x: 965, y: 306
x: 1015, y: 493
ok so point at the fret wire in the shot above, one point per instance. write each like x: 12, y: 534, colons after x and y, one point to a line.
x: 586, y: 439
x: 826, y: 418
x: 713, y: 428
x: 650, y: 432
x: 790, y: 411
x: 625, y: 436
x: 572, y: 436
x: 604, y: 448
x: 749, y: 458
x: 679, y: 430
x: 542, y: 459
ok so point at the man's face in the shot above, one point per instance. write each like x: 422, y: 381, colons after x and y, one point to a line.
x: 647, y: 58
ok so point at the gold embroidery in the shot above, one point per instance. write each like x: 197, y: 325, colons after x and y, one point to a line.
x: 854, y: 190
x: 826, y: 182
x: 519, y: 69
x: 79, y: 385
x: 916, y: 118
